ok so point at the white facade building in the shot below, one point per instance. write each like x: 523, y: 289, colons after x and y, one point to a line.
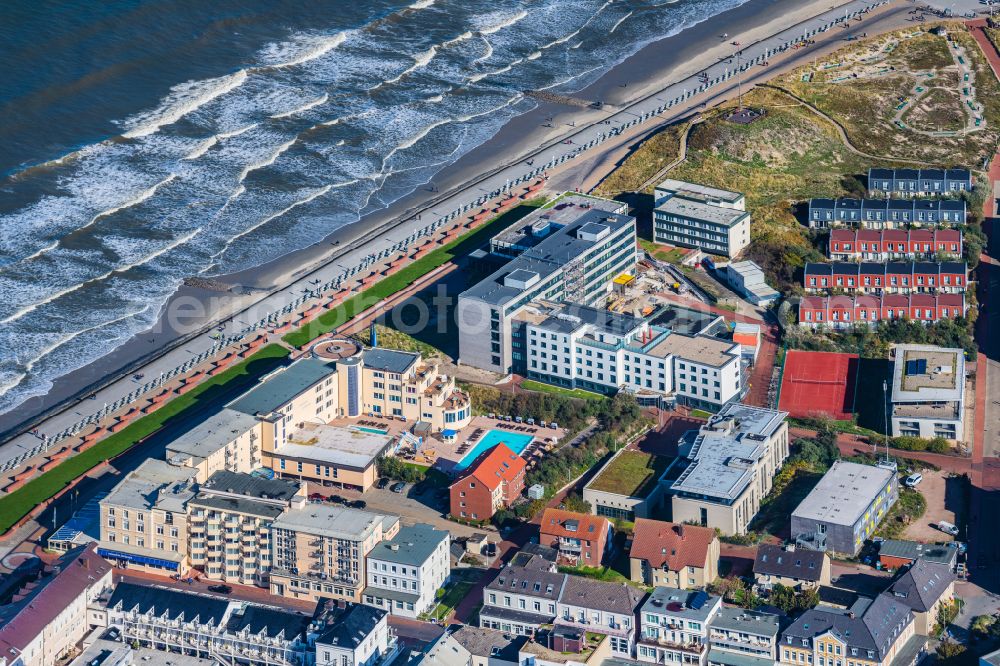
x: 674, y: 626
x: 928, y: 392
x: 404, y: 573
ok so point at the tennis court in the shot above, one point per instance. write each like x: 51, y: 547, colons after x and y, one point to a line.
x: 816, y: 384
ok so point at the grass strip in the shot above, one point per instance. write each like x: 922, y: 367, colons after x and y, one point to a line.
x: 409, y: 274
x: 214, y: 391
x: 539, y: 387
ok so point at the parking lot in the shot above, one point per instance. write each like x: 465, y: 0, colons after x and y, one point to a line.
x: 944, y: 497
x: 416, y: 504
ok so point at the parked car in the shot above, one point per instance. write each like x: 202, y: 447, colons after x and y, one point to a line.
x: 382, y: 483
x: 947, y: 528
x: 221, y: 589
x: 398, y: 487
x: 317, y: 497
x: 913, y: 480
x: 491, y: 549
x: 358, y: 504
x: 335, y: 499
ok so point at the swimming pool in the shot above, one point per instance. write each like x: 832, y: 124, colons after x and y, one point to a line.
x: 374, y: 431
x: 516, y: 441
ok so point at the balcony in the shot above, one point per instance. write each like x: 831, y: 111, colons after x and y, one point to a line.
x: 595, y: 628
x: 690, y: 648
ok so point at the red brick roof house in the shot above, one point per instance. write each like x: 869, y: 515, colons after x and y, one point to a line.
x: 673, y: 554
x: 493, y: 481
x: 580, y: 538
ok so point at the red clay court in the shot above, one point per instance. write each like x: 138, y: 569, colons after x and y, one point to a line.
x: 818, y: 384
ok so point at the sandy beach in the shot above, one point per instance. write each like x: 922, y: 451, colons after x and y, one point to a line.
x: 649, y: 70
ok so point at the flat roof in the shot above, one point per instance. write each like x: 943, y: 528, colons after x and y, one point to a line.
x: 925, y: 373
x: 751, y: 420
x: 333, y: 521
x: 696, y: 210
x: 154, y: 483
x: 703, y: 349
x: 750, y: 621
x: 672, y: 185
x: 389, y: 360
x: 719, y: 466
x: 212, y: 434
x: 550, y: 255
x: 630, y: 473
x: 693, y: 605
x: 282, y: 386
x: 567, y: 317
x: 687, y: 321
x: 343, y: 446
x: 844, y: 493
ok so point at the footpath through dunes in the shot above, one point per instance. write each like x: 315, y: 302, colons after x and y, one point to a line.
x: 371, y: 246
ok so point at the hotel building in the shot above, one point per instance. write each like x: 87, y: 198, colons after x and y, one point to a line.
x: 707, y: 218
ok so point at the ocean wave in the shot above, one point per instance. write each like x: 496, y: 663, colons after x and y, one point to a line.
x: 302, y: 50
x: 236, y: 132
x: 487, y: 55
x: 457, y: 40
x: 28, y: 309
x: 422, y: 4
x: 267, y: 161
x: 535, y: 55
x: 619, y: 22
x: 202, y: 148
x: 419, y: 61
x: 182, y: 100
x: 506, y: 22
x: 322, y: 99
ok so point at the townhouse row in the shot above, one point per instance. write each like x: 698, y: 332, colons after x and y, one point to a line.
x: 248, y: 530
x: 885, y: 213
x: 844, y: 311
x: 911, y: 277
x: 889, y: 244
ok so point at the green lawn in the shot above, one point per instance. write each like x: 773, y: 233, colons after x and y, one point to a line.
x: 606, y: 574
x: 540, y: 387
x: 215, y: 391
x: 791, y: 487
x: 909, y: 508
x: 700, y: 414
x: 450, y: 596
x: 406, y: 276
x: 632, y: 473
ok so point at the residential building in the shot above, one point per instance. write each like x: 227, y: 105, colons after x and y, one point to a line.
x: 475, y: 646
x: 725, y: 469
x: 895, y: 277
x: 871, y: 633
x: 747, y: 279
x: 205, y: 626
x: 845, y: 507
x: 570, y: 251
x: 706, y: 218
x: 928, y: 392
x: 748, y: 337
x: 491, y: 482
x: 923, y: 588
x: 599, y: 607
x: 674, y: 626
x: 740, y: 637
x: 886, y: 213
x: 628, y: 486
x: 107, y: 652
x: 896, y: 554
x: 229, y: 525
x: 520, y: 598
x: 673, y: 554
x: 562, y: 645
x: 46, y: 619
x: 797, y: 568
x: 910, y: 182
x: 404, y: 573
x: 318, y: 550
x: 331, y: 456
x: 893, y: 244
x: 579, y: 538
x: 605, y: 352
x: 144, y: 518
x: 843, y: 311
x: 354, y: 635
x: 228, y: 440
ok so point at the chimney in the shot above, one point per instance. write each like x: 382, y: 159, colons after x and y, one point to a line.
x: 680, y: 530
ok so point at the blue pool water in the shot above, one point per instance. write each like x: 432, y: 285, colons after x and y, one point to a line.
x: 516, y: 441
x: 374, y: 431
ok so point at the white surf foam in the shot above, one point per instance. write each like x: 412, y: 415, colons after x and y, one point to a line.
x: 619, y: 22
x: 302, y: 50
x: 420, y: 60
x: 504, y: 23
x: 322, y: 99
x: 62, y: 340
x: 267, y: 161
x: 535, y: 56
x: 422, y: 4
x: 182, y: 100
x: 295, y: 204
x: 202, y: 148
x: 458, y: 40
x: 236, y: 132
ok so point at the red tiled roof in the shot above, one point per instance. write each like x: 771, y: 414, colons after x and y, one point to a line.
x: 868, y: 235
x: 499, y: 464
x: 841, y: 235
x: 949, y: 235
x: 815, y: 302
x: 80, y: 570
x: 951, y: 299
x: 894, y: 234
x: 895, y: 300
x: 672, y: 544
x: 864, y: 300
x: 922, y: 235
x: 587, y: 526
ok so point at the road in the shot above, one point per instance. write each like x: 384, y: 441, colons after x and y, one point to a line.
x: 610, y: 135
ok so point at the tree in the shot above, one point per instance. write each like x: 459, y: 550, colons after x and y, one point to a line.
x: 792, y: 602
x: 575, y: 502
x: 949, y: 651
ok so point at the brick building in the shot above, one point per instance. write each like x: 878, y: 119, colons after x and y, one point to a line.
x: 897, y: 277
x: 493, y: 481
x: 845, y: 311
x: 580, y: 538
x: 889, y: 244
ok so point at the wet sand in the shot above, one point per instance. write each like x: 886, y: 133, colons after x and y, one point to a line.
x: 636, y: 77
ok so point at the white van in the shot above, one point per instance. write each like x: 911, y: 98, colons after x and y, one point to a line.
x: 947, y: 528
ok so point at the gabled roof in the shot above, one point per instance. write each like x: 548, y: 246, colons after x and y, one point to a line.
x: 673, y: 545
x: 799, y: 563
x: 875, y: 628
x: 271, y: 622
x: 497, y: 465
x: 170, y: 603
x: 619, y: 598
x: 559, y: 523
x: 530, y: 581
x: 920, y: 586
x: 350, y: 628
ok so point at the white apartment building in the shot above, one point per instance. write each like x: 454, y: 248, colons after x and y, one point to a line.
x: 601, y: 608
x: 928, y: 392
x: 226, y: 441
x: 707, y: 218
x: 358, y: 636
x: 405, y: 572
x: 674, y: 626
x: 594, y: 349
x: 520, y: 599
